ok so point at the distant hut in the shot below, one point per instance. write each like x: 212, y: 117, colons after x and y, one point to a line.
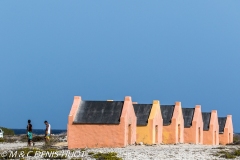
x: 210, y: 128
x: 173, y: 123
x: 149, y: 123
x: 95, y: 124
x: 225, y: 130
x: 193, y: 125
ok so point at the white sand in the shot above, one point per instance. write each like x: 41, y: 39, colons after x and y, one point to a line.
x: 10, y: 146
x: 156, y: 152
x: 168, y: 152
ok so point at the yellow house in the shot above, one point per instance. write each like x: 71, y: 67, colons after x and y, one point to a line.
x: 149, y: 123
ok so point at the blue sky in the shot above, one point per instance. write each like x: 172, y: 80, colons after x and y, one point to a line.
x: 171, y: 51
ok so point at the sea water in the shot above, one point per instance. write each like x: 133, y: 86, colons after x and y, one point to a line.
x: 39, y: 131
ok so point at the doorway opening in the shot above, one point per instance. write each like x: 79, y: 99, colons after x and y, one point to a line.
x: 215, y: 138
x: 229, y: 139
x: 199, y: 135
x: 129, y: 134
x: 179, y: 133
x: 156, y: 134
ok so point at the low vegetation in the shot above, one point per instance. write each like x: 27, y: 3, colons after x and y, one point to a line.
x: 106, y: 156
x: 38, y: 138
x: 236, y: 139
x: 7, y: 131
x: 228, y: 154
x: 7, y: 140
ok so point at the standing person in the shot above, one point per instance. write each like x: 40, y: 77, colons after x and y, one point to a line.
x: 47, y: 132
x: 29, y: 133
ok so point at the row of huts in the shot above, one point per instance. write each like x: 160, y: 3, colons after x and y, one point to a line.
x: 110, y: 123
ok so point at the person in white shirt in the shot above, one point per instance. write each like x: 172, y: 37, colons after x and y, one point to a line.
x: 47, y: 132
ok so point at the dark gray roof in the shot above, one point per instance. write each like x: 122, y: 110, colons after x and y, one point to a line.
x: 99, y: 112
x: 142, y: 112
x: 167, y: 113
x: 222, y: 123
x: 206, y: 116
x: 188, y: 116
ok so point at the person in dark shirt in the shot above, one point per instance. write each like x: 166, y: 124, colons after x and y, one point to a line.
x: 29, y: 133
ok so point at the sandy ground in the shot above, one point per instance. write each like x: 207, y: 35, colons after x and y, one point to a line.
x: 11, y: 146
x: 155, y: 152
x: 168, y: 152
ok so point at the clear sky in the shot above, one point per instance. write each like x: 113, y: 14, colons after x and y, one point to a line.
x: 50, y: 51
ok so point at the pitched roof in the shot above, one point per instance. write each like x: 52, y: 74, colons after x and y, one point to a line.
x: 206, y: 116
x: 142, y: 112
x: 188, y: 116
x: 167, y: 113
x: 99, y: 112
x: 222, y: 123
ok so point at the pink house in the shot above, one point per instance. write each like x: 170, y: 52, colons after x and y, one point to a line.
x: 225, y: 130
x: 95, y: 124
x: 193, y: 125
x: 210, y: 128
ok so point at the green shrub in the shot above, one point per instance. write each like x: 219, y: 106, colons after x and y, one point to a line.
x: 222, y: 152
x: 83, y: 149
x: 235, y: 139
x: 236, y: 152
x: 38, y: 138
x: 228, y: 155
x: 90, y: 153
x: 106, y: 156
x: 9, y: 139
x: 1, y: 140
x: 23, y: 138
x: 219, y: 147
x: 7, y: 131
